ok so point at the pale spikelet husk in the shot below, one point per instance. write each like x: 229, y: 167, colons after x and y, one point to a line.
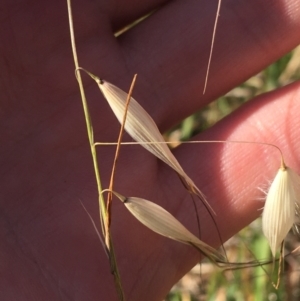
x: 142, y: 128
x: 162, y: 222
x: 279, y: 212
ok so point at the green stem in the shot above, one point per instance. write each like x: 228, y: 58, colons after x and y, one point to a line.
x: 102, y: 207
x: 90, y: 132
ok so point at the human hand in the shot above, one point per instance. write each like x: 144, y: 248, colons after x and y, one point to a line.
x: 49, y: 250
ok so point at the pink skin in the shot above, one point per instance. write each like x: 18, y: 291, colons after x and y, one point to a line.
x: 49, y: 249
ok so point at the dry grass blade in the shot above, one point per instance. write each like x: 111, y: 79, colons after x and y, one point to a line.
x: 162, y: 222
x: 142, y: 128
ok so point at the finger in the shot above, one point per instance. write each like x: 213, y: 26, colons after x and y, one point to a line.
x: 170, y: 51
x: 230, y: 175
x: 29, y: 44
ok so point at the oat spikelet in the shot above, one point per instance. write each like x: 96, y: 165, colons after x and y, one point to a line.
x: 281, y: 205
x: 142, y: 128
x: 162, y: 222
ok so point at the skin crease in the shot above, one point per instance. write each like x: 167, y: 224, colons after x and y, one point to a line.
x: 49, y: 249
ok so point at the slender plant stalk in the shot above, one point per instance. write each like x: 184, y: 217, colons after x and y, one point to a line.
x: 102, y: 208
x: 280, y: 266
x: 86, y: 115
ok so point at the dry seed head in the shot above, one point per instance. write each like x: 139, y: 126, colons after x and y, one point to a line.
x: 142, y: 128
x: 162, y: 222
x: 281, y: 205
x: 139, y: 125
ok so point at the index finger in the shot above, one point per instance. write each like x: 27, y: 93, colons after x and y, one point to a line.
x: 170, y: 50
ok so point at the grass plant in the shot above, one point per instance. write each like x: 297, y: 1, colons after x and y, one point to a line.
x: 257, y: 282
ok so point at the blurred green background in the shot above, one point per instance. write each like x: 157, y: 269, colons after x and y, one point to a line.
x: 248, y: 284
